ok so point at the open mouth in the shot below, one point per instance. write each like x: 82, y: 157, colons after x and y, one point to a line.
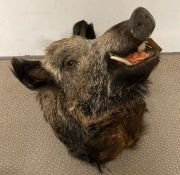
x: 146, y: 50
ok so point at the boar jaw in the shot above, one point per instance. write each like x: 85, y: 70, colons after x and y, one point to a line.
x: 143, y: 53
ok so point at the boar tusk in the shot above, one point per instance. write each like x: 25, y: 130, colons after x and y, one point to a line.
x: 142, y: 46
x: 120, y: 59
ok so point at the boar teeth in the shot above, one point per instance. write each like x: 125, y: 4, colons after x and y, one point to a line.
x: 147, y: 45
x: 142, y: 46
x: 120, y: 59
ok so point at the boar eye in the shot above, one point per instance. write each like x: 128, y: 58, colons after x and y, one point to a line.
x: 70, y: 63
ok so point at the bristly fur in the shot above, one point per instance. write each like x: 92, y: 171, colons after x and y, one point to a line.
x: 86, y: 142
x: 94, y: 106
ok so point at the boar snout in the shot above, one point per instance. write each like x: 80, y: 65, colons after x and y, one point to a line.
x: 126, y: 36
x: 127, y: 52
x: 141, y: 23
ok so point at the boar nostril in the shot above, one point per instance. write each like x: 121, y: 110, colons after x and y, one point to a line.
x: 139, y: 24
x: 146, y: 16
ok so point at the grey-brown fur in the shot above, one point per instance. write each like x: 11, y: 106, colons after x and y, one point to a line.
x: 94, y: 106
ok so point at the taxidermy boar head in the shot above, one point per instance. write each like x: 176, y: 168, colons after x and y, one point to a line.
x: 92, y: 90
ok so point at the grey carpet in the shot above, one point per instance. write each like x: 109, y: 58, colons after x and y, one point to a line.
x: 29, y: 147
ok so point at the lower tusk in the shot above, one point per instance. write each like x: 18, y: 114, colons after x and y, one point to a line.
x: 120, y: 59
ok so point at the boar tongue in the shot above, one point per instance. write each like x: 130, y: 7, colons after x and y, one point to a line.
x: 136, y: 57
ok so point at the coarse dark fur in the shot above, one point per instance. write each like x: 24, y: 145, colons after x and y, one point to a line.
x: 95, y: 106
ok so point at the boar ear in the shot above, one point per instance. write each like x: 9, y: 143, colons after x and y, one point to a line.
x: 31, y: 73
x: 82, y: 28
